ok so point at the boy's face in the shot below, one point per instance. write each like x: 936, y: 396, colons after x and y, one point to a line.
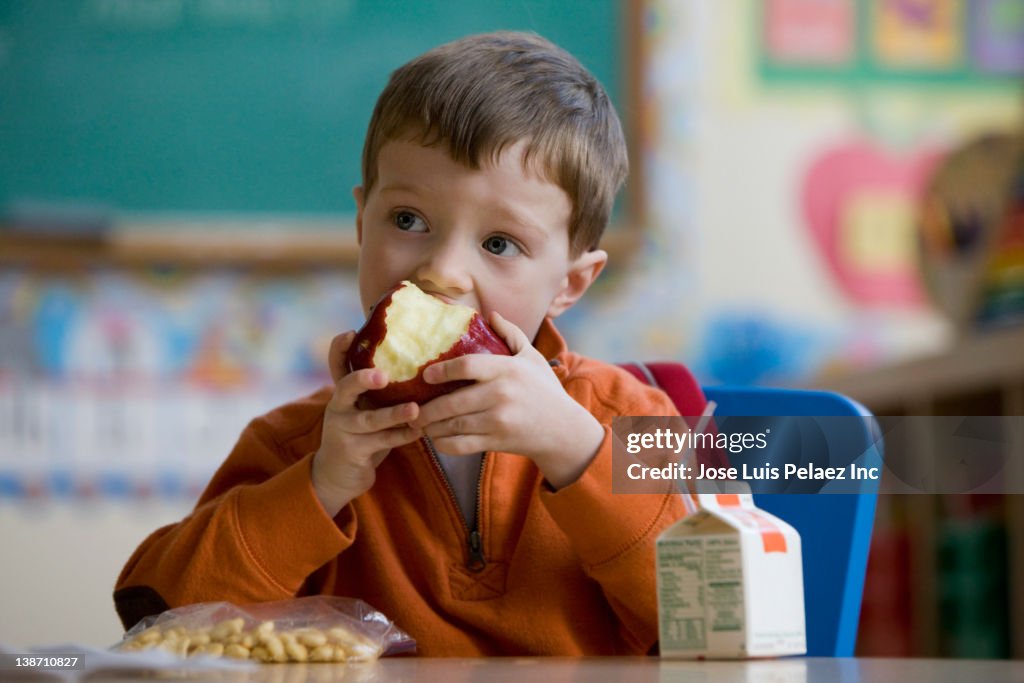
x: 495, y: 239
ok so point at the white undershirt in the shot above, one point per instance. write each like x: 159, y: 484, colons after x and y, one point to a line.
x: 463, y: 473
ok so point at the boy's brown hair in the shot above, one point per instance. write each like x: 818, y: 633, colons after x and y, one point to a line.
x: 481, y: 94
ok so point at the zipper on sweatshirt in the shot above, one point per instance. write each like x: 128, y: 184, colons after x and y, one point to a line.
x: 474, y: 541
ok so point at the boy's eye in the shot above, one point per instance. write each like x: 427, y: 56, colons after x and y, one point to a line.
x: 501, y: 246
x: 409, y: 222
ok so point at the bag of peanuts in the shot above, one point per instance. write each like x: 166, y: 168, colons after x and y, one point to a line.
x: 311, y: 629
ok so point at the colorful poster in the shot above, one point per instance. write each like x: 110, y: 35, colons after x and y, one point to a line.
x: 918, y: 34
x: 997, y: 36
x: 816, y: 33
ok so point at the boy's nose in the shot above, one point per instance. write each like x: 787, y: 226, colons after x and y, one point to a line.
x: 444, y: 269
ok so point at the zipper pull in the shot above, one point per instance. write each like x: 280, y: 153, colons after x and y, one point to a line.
x: 477, y: 561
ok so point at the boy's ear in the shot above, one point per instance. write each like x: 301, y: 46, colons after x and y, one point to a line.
x: 582, y: 273
x: 360, y: 197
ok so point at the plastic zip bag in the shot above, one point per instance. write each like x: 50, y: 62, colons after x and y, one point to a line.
x: 311, y: 629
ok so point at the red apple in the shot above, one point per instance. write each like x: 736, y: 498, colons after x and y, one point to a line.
x: 409, y: 330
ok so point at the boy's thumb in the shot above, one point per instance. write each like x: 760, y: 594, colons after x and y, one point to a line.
x: 510, y: 332
x: 337, y: 360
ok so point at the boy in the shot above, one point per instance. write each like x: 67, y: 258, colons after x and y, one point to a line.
x: 482, y: 522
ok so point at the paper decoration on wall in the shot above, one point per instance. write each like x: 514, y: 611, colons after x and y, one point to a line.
x: 110, y: 387
x: 810, y: 32
x: 997, y: 35
x: 860, y: 204
x: 750, y: 347
x: 964, y: 204
x: 918, y: 34
x: 1002, y: 294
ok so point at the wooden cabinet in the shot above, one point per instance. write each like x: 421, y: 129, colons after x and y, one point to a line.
x: 980, y: 375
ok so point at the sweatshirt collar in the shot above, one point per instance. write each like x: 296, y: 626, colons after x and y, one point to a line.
x: 549, y: 341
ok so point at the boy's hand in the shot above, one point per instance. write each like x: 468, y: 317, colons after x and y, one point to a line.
x: 516, y: 405
x: 355, y: 441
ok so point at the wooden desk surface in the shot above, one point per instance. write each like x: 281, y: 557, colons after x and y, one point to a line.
x: 613, y: 670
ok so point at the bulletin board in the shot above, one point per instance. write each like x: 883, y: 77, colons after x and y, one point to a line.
x: 237, y: 107
x: 974, y: 43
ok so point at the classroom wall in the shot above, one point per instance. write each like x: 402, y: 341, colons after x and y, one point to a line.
x: 734, y: 280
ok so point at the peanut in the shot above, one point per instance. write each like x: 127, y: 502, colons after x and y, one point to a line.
x: 227, y: 628
x: 149, y: 636
x: 296, y: 651
x: 236, y: 651
x: 311, y: 638
x: 324, y: 653
x: 210, y: 650
x: 275, y: 648
x: 199, y: 638
x: 178, y: 632
x: 259, y: 652
x: 340, y: 635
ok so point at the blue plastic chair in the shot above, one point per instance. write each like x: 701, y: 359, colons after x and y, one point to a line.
x: 835, y: 529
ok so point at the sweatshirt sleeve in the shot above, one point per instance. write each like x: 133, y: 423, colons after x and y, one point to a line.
x: 614, y: 534
x: 256, y: 534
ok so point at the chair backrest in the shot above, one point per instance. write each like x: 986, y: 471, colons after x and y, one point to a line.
x: 835, y: 529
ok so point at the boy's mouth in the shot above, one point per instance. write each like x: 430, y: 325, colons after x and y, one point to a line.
x: 438, y: 295
x: 442, y: 297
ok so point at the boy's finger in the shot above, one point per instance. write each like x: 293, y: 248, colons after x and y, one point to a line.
x: 510, y: 332
x: 351, y: 385
x: 381, y: 419
x: 460, y: 424
x: 336, y: 356
x: 392, y: 438
x: 478, y: 367
x: 460, y: 402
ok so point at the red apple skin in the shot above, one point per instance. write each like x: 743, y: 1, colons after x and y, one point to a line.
x: 478, y: 338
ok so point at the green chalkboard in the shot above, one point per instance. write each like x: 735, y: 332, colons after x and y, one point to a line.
x: 228, y: 107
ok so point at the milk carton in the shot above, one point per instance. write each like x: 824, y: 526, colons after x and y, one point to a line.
x: 730, y: 583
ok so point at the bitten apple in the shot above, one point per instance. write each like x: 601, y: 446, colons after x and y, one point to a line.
x: 409, y: 330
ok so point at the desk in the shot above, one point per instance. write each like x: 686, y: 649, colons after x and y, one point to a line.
x: 613, y: 670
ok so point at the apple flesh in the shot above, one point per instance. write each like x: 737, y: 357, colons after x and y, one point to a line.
x: 409, y: 330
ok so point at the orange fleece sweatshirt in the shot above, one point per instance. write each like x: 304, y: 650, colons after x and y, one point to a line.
x: 567, y: 572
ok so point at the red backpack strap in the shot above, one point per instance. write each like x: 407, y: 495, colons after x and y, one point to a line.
x: 675, y: 380
x: 682, y: 387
